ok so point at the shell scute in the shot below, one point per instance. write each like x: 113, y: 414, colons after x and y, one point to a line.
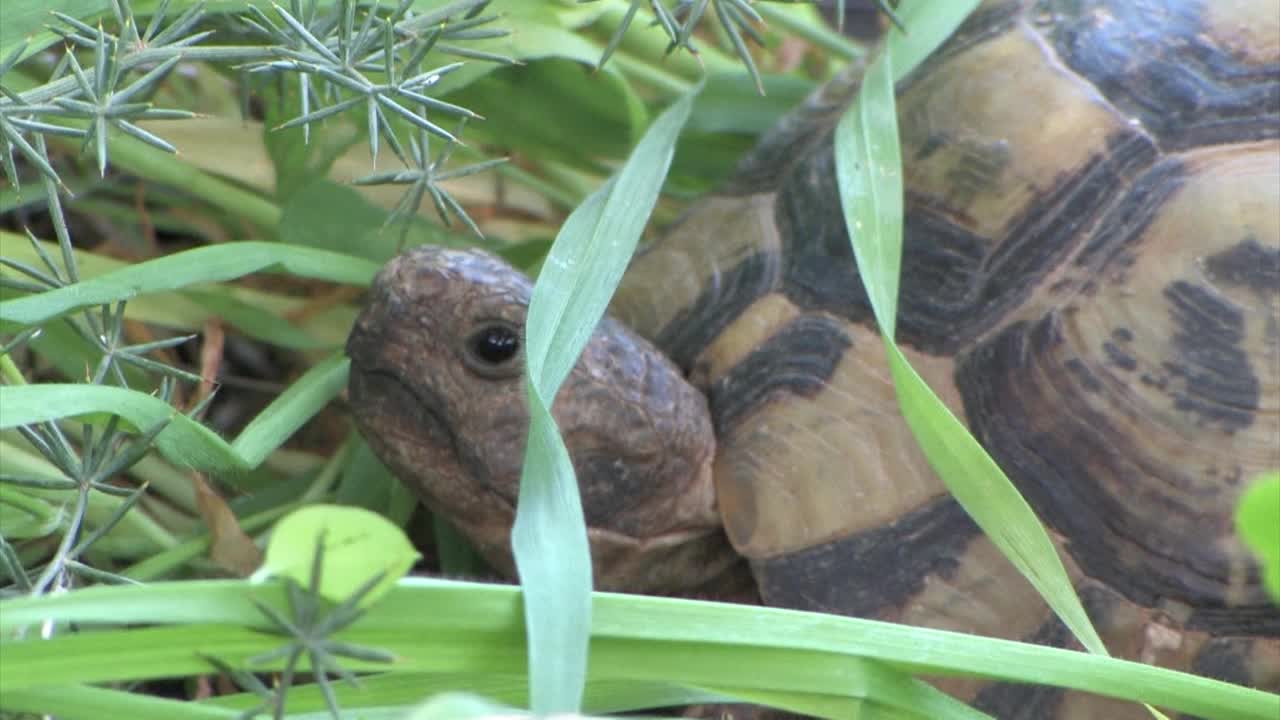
x: 1090, y: 280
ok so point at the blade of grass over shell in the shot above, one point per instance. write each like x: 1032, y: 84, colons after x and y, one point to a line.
x: 869, y: 172
x: 573, y: 289
x: 441, y: 626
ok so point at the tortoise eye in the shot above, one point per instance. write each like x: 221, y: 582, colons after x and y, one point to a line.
x: 492, y: 349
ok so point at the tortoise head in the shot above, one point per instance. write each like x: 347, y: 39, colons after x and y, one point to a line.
x: 437, y: 389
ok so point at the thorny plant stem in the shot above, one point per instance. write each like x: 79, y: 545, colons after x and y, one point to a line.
x: 153, y: 164
x: 652, y: 46
x: 63, y: 86
x: 818, y: 34
x: 57, y: 564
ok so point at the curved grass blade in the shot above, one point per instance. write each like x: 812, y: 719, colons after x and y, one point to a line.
x: 191, y: 267
x: 573, y: 289
x: 80, y: 702
x: 402, y: 688
x: 184, y: 441
x: 443, y: 626
x: 259, y: 314
x: 869, y: 171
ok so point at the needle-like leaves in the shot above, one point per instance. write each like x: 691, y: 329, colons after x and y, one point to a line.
x: 737, y: 18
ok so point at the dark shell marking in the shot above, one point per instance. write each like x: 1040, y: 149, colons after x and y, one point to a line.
x: 1173, y: 68
x: 798, y: 359
x: 866, y: 573
x: 716, y: 307
x: 1247, y: 264
x: 1217, y: 380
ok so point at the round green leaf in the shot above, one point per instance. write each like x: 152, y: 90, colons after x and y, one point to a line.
x: 357, y: 545
x: 1258, y: 522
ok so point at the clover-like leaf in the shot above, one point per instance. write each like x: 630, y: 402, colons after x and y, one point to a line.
x: 357, y: 545
x: 314, y: 618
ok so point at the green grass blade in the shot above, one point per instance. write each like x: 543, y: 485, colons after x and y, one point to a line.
x: 868, y: 168
x: 253, y: 320
x: 928, y: 25
x: 573, y: 289
x: 869, y: 173
x: 79, y: 702
x: 202, y: 265
x: 293, y: 408
x: 185, y: 442
x: 256, y: 313
x: 440, y: 626
x: 984, y: 491
x: 406, y: 688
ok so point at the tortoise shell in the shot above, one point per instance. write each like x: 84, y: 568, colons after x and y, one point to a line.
x: 1090, y: 280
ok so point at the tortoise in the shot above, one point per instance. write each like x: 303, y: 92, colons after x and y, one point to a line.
x: 1090, y: 280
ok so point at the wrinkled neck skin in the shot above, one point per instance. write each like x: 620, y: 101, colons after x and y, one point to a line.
x: 639, y: 435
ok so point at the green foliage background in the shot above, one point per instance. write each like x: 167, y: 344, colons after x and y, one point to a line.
x: 117, y: 490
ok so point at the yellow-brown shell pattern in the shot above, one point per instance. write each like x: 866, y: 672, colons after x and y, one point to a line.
x: 1091, y: 280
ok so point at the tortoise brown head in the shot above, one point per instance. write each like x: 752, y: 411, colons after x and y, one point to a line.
x: 437, y: 389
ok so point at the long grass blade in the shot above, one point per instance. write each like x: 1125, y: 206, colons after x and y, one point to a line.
x: 869, y: 172
x: 441, y: 626
x: 184, y: 441
x: 202, y: 265
x: 549, y: 538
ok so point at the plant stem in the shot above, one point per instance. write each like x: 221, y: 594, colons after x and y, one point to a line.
x: 564, y: 197
x: 162, y: 564
x: 816, y: 32
x: 69, y: 84
x: 10, y: 371
x: 668, y: 84
x: 62, y: 554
